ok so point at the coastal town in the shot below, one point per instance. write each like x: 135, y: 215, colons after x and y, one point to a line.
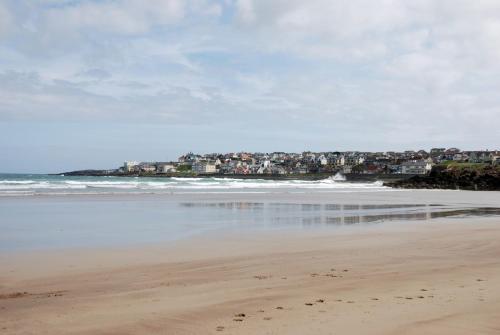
x: 409, y: 162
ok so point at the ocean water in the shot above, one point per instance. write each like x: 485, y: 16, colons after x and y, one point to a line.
x: 39, y: 212
x: 32, y: 184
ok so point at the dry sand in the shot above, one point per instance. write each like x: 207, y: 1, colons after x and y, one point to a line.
x: 437, y: 277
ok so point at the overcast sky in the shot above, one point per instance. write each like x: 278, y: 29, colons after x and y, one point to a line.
x: 89, y: 84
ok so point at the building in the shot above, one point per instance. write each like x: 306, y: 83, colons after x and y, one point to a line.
x: 148, y: 168
x: 204, y: 167
x: 264, y: 167
x: 322, y: 160
x: 480, y: 156
x: 436, y: 152
x: 130, y: 166
x: 165, y: 168
x: 414, y: 167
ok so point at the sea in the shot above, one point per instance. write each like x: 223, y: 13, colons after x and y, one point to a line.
x: 46, y: 212
x: 39, y: 184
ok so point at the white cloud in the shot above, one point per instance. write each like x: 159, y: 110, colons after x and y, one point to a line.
x: 372, y: 67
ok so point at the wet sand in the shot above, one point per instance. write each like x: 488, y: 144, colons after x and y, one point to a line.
x: 433, y: 277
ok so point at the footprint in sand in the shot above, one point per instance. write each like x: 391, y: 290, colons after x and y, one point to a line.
x: 279, y: 307
x: 219, y: 328
x: 320, y: 300
x: 239, y: 317
x: 308, y: 304
x: 267, y: 318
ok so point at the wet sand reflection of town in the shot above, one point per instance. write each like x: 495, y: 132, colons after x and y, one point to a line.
x: 342, y: 214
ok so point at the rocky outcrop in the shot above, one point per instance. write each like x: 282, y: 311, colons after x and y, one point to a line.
x: 467, y: 177
x: 96, y: 173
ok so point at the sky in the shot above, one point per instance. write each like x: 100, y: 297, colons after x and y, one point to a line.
x: 90, y: 84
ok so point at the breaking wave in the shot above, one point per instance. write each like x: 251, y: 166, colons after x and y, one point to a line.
x: 43, y: 184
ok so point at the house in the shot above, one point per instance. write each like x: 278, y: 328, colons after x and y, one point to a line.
x: 148, y: 168
x: 414, y: 167
x: 394, y: 168
x: 459, y: 157
x: 130, y: 166
x: 437, y: 152
x: 188, y: 158
x: 423, y: 153
x: 204, y: 167
x: 322, y: 160
x: 226, y: 168
x: 480, y: 156
x: 353, y: 160
x: 450, y: 153
x: 264, y: 167
x: 341, y: 161
x: 276, y: 169
x: 165, y: 167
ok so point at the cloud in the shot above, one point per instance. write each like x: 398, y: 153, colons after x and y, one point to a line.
x: 349, y: 70
x: 98, y: 74
x: 5, y: 20
x: 120, y: 17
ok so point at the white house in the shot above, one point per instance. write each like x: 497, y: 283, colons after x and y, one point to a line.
x: 322, y: 160
x: 264, y: 166
x: 166, y: 168
x: 129, y: 166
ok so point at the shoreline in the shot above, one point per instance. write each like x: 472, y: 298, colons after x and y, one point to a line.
x: 310, y: 176
x: 429, y: 277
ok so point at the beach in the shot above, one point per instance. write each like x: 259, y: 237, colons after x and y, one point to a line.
x: 92, y: 256
x: 244, y: 167
x: 441, y: 277
x: 280, y: 262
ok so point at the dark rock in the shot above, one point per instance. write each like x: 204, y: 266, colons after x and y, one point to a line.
x: 454, y: 177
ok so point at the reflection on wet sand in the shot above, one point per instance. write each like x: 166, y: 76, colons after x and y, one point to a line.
x: 342, y: 214
x: 347, y: 220
x: 261, y: 205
